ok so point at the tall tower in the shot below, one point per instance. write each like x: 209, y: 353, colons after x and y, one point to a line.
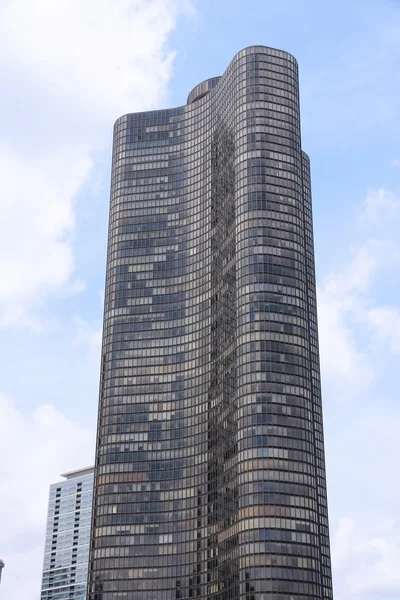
x: 1, y: 568
x: 67, y: 537
x: 210, y: 475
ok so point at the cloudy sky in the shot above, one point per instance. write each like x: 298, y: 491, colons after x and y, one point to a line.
x: 68, y: 69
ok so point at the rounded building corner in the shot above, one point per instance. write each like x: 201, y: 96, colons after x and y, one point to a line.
x: 201, y: 89
x: 253, y: 49
x: 121, y: 119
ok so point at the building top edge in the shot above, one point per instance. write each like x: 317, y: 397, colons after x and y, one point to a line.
x: 257, y: 47
x: 78, y: 473
x: 202, y: 89
x: 211, y: 83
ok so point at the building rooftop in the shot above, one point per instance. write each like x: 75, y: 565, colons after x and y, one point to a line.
x: 78, y: 473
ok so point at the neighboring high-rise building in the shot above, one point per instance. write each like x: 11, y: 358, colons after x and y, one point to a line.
x: 210, y: 474
x: 1, y: 568
x: 67, y: 537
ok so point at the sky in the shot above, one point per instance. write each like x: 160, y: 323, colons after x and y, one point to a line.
x: 68, y: 70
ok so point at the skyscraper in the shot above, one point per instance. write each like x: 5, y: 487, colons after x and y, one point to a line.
x: 67, y: 537
x: 210, y: 475
x: 1, y: 567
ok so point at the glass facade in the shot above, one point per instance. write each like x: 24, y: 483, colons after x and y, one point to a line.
x: 67, y: 537
x: 210, y: 475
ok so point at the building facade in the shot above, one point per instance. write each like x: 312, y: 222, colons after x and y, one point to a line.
x: 210, y: 474
x: 67, y: 537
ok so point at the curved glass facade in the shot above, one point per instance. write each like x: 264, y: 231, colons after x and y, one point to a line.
x: 210, y: 476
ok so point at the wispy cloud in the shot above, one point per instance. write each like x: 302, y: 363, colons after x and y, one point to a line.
x: 88, y: 334
x: 380, y: 208
x: 353, y: 89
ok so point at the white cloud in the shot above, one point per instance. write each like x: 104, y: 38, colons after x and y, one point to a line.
x: 35, y: 448
x: 351, y: 314
x: 345, y: 367
x: 36, y: 198
x: 114, y: 54
x: 380, y: 207
x: 340, y: 543
x: 356, y: 276
x: 365, y: 558
x: 385, y: 322
x: 88, y: 334
x: 68, y: 70
x: 386, y: 429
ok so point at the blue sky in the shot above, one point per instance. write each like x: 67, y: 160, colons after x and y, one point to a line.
x: 64, y: 82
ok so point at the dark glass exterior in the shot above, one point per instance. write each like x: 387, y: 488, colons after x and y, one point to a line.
x: 210, y: 475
